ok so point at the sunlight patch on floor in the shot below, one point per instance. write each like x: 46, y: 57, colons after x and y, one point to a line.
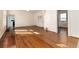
x: 61, y: 45
x: 36, y: 33
x: 30, y: 30
x: 20, y: 32
x: 24, y: 31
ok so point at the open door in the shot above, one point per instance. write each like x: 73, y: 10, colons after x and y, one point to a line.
x: 62, y: 21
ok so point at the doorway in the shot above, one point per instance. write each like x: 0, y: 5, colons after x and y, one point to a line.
x: 40, y: 21
x: 62, y: 23
x: 10, y: 22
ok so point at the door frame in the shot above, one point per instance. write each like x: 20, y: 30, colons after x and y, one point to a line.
x: 58, y: 20
x: 7, y: 20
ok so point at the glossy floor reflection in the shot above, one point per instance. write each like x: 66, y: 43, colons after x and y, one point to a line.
x: 38, y: 38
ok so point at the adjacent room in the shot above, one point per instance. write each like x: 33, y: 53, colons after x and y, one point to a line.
x: 39, y: 29
x: 62, y: 23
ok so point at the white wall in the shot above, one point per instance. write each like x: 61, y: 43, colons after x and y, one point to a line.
x: 50, y: 20
x: 73, y: 23
x: 22, y: 18
x: 39, y: 19
x: 2, y: 22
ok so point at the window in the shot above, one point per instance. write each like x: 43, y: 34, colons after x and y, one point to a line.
x: 63, y: 17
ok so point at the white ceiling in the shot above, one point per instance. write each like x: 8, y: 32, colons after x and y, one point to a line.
x: 34, y: 11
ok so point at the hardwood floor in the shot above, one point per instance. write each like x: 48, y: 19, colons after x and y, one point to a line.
x: 36, y: 37
x: 8, y: 40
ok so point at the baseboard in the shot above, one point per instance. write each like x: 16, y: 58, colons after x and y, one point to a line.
x: 73, y: 37
x: 27, y: 25
x: 63, y: 27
